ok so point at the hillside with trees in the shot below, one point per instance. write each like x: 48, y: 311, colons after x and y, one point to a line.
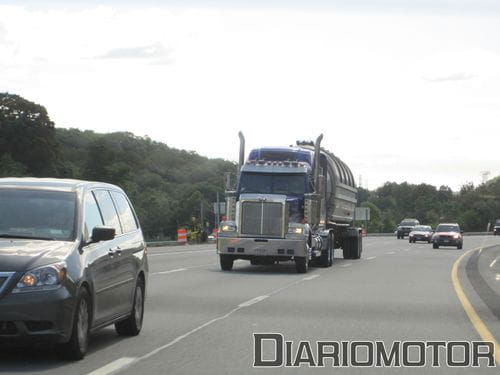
x: 168, y: 186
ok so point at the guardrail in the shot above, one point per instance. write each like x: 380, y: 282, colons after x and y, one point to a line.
x: 175, y: 243
x: 394, y: 234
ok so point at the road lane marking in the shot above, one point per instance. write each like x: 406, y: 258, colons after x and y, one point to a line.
x: 114, y: 366
x: 346, y: 265
x: 170, y: 271
x: 406, y: 249
x: 370, y: 258
x: 253, y: 301
x: 124, y: 365
x: 183, y: 269
x: 493, y: 263
x: 181, y: 252
x: 308, y: 278
x: 474, y: 318
x: 391, y: 252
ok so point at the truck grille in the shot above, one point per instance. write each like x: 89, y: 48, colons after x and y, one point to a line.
x: 262, y: 219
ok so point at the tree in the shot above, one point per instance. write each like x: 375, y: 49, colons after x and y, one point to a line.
x: 28, y: 135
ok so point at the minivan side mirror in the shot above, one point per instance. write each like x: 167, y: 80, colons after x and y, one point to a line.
x: 103, y: 233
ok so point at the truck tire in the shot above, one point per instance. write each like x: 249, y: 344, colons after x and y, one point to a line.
x: 435, y: 246
x: 352, y: 247
x: 326, y: 258
x: 226, y: 262
x: 301, y: 264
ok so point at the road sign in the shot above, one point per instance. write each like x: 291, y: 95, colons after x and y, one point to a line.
x: 362, y: 213
x: 221, y: 209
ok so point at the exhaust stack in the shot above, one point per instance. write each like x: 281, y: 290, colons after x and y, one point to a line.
x: 242, y: 152
x: 317, y: 149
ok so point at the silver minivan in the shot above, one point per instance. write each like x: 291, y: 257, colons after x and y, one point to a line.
x: 72, y: 260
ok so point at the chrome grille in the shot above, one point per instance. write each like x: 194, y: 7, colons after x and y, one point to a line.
x: 262, y: 219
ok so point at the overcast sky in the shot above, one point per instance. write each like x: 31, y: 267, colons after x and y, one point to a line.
x: 402, y: 90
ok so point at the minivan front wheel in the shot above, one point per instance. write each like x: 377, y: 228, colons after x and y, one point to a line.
x: 133, y: 324
x: 76, y: 348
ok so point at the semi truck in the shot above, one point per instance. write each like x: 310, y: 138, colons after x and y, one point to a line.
x: 292, y: 203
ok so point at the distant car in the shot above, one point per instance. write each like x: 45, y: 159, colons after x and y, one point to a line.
x: 72, y: 260
x: 405, y: 227
x: 496, y: 228
x: 448, y: 234
x: 421, y: 233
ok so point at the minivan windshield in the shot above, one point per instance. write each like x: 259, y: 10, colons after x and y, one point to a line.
x: 37, y: 214
x: 265, y: 183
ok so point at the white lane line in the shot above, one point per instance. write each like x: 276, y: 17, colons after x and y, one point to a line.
x: 346, y: 265
x: 181, y: 252
x: 406, y: 249
x: 493, y: 263
x: 133, y: 361
x: 370, y: 258
x: 114, y: 366
x: 391, y: 252
x: 253, y: 301
x: 308, y: 278
x: 170, y: 271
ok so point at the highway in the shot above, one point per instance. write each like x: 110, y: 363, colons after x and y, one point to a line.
x: 200, y: 320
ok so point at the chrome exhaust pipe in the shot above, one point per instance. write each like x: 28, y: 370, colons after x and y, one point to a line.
x: 317, y: 149
x: 242, y: 152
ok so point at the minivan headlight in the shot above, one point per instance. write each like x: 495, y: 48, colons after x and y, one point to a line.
x: 42, y: 278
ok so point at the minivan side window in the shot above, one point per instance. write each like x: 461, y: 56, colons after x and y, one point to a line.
x: 125, y: 213
x: 108, y: 210
x: 92, y: 215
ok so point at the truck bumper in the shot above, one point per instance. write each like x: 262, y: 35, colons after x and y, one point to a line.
x: 245, y: 247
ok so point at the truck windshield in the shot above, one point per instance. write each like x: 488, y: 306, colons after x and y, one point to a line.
x: 263, y: 183
x: 37, y: 214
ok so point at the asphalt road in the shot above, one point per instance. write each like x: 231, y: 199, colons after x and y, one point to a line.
x: 200, y: 320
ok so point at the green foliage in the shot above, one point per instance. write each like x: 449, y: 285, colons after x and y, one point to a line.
x: 472, y: 207
x: 167, y: 186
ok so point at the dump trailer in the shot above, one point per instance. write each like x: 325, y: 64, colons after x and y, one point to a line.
x: 291, y: 203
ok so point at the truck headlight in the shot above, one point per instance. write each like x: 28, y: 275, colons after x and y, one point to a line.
x: 228, y: 227
x: 295, y: 230
x: 42, y: 278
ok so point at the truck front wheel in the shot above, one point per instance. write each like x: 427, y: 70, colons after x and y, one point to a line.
x: 226, y: 262
x: 301, y: 264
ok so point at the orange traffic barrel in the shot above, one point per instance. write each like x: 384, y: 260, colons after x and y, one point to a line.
x: 181, y: 235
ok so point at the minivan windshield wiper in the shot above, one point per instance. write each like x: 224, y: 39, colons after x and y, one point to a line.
x: 5, y: 235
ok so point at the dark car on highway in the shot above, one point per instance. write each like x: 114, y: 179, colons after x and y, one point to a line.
x: 421, y: 233
x: 405, y: 227
x: 72, y: 260
x: 447, y: 235
x: 496, y: 228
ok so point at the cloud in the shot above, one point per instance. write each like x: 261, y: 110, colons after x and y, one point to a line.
x: 3, y: 34
x: 451, y: 77
x: 155, y: 53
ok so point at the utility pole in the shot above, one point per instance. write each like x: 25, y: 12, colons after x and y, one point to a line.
x: 202, y: 216
x: 217, y: 213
